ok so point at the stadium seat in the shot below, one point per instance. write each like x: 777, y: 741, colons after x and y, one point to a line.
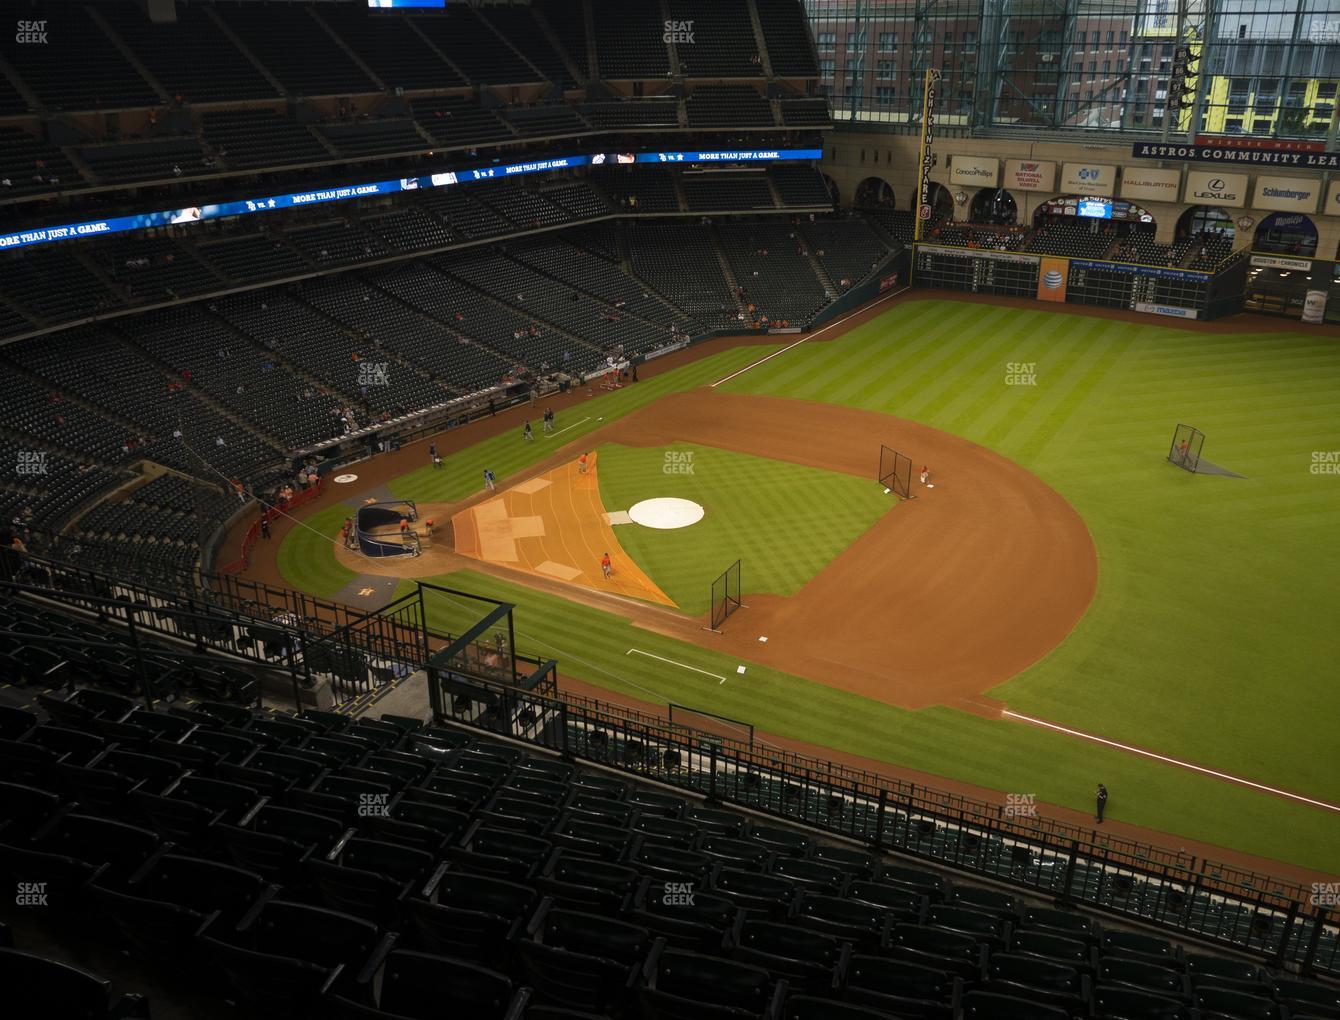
x: 36, y: 986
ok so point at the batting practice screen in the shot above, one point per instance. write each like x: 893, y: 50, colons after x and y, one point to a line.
x: 725, y: 595
x: 1186, y: 447
x: 895, y: 471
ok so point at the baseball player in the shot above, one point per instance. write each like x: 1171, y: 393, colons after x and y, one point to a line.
x: 528, y: 433
x: 581, y: 464
x: 606, y: 567
x: 925, y: 474
x: 488, y: 480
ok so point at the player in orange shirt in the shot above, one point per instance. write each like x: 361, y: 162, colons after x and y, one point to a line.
x: 581, y: 464
x: 606, y: 567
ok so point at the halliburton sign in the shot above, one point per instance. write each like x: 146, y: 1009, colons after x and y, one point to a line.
x: 1150, y: 185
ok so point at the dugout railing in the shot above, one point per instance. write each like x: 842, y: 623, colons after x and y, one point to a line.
x: 1279, y: 922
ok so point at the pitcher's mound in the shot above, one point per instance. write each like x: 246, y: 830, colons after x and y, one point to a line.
x: 666, y: 512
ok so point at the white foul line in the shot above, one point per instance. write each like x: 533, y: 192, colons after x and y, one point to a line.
x: 1173, y: 761
x: 715, y: 676
x: 808, y: 336
x: 550, y: 435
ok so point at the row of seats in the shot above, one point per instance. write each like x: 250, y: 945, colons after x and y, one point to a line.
x: 319, y: 865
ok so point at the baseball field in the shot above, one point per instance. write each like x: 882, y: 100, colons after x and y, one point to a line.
x: 1063, y: 607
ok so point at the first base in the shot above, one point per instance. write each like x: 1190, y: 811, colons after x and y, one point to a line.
x: 930, y: 485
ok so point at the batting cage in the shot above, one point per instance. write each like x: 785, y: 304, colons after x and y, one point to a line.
x: 895, y: 472
x: 725, y: 595
x: 1186, y: 446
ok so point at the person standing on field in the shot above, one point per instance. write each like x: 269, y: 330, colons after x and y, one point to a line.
x: 581, y: 464
x: 1102, y: 803
x: 606, y: 566
x: 925, y: 474
x: 488, y: 480
x: 527, y: 433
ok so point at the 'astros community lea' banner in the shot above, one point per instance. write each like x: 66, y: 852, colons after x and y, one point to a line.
x: 1229, y: 154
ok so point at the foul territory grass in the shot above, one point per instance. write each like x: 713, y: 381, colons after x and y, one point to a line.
x: 785, y: 521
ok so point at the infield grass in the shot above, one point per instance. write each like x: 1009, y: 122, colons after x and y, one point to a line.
x: 786, y: 521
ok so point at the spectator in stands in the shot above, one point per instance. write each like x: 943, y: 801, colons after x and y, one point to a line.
x: 218, y: 441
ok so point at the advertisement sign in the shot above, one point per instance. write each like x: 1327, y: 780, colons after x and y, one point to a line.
x: 1280, y: 262
x: 1314, y: 306
x: 1174, y: 310
x: 1094, y: 208
x: 1127, y: 267
x: 1052, y: 279
x: 1029, y: 175
x: 1287, y: 194
x: 974, y: 171
x: 1212, y: 187
x: 1150, y: 185
x: 1332, y: 206
x: 1243, y: 154
x: 1089, y: 179
x: 924, y: 211
x: 888, y: 282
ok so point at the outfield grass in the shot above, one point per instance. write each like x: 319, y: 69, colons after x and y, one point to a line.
x: 1211, y: 636
x: 1213, y: 627
x: 307, y: 555
x: 785, y: 520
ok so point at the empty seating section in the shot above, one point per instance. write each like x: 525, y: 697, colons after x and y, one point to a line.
x: 633, y: 113
x: 338, y: 241
x: 457, y: 207
x: 251, y: 382
x: 728, y: 106
x: 190, y: 57
x: 644, y: 189
x: 1059, y: 237
x: 898, y: 223
x: 326, y: 352
x: 1209, y: 251
x: 569, y: 29
x: 375, y: 137
x: 579, y: 199
x: 252, y: 138
x: 787, y: 35
x: 717, y: 191
x: 254, y: 257
x: 525, y: 208
x: 327, y: 866
x: 630, y: 38
x: 31, y: 165
x: 848, y: 249
x: 696, y: 284
x: 482, y: 54
x: 800, y: 185
x: 806, y: 113
x: 459, y: 121
x: 158, y: 159
x: 516, y: 23
x: 723, y: 43
x: 296, y: 49
x: 51, y: 485
x: 777, y: 279
x: 181, y: 429
x: 106, y: 80
x: 391, y: 48
x: 153, y: 269
x: 549, y: 120
x: 53, y: 284
x: 391, y: 325
x: 44, y: 413
x: 409, y: 228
